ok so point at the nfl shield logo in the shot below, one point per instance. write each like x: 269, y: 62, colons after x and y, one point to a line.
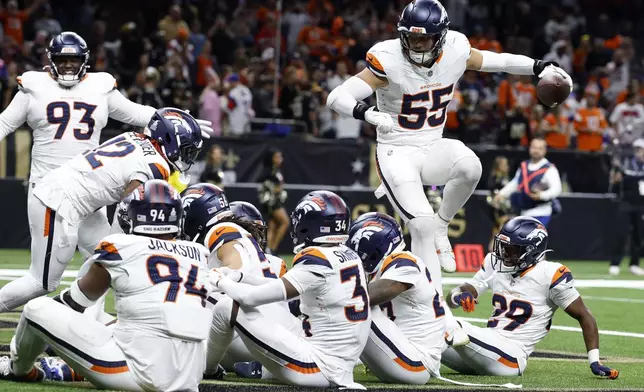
x: 430, y: 73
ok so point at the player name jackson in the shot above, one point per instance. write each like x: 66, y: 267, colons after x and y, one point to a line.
x: 182, y: 250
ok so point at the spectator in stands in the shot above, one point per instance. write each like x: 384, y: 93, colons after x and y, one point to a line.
x: 47, y: 22
x: 499, y: 178
x: 557, y: 129
x: 561, y: 53
x: 629, y: 178
x: 210, y: 103
x: 590, y: 125
x: 37, y: 53
x: 238, y: 105
x: 628, y: 119
x: 537, y: 123
x: 272, y: 197
x: 147, y: 93
x: 214, y: 170
x: 295, y: 18
x: 13, y: 19
x: 172, y: 23
x: 470, y: 118
x: 634, y: 87
x: 515, y: 129
x: 535, y: 186
x: 205, y: 65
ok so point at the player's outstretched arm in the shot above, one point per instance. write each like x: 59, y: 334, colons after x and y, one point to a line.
x: 14, y: 115
x: 246, y: 295
x: 384, y: 290
x: 578, y: 310
x: 486, y: 61
x: 346, y: 99
x: 87, y: 290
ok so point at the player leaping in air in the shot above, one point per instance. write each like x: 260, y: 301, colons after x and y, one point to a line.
x: 67, y: 107
x: 414, y: 78
x: 527, y: 290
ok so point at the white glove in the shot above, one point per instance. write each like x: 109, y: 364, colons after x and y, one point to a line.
x: 232, y: 274
x: 215, y: 276
x: 206, y: 131
x: 383, y: 121
x: 553, y: 68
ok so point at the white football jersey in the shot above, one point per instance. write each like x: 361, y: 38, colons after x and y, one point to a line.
x: 68, y: 121
x: 525, y: 303
x: 417, y: 312
x: 98, y: 177
x: 253, y: 259
x: 417, y: 97
x: 159, y: 291
x: 335, y: 307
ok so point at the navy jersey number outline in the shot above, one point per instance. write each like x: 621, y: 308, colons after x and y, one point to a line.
x: 501, y: 306
x: 121, y: 142
x: 174, y: 278
x: 63, y: 120
x: 351, y: 313
x: 407, y: 109
x: 439, y: 310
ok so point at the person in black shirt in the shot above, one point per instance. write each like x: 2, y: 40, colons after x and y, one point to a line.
x: 499, y: 177
x: 213, y: 172
x: 272, y: 197
x: 516, y: 125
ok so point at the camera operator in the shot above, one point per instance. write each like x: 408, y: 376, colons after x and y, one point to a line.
x: 628, y: 181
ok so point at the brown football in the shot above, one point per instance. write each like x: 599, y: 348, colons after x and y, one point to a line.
x: 553, y: 89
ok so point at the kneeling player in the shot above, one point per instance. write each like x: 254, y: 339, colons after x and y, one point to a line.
x: 160, y: 287
x: 405, y: 345
x: 329, y: 279
x: 527, y: 292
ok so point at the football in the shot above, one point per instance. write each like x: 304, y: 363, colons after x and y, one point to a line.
x: 553, y: 89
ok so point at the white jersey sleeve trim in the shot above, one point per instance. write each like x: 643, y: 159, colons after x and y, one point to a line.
x: 124, y: 110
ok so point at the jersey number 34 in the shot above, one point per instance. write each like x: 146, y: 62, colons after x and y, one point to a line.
x: 414, y: 117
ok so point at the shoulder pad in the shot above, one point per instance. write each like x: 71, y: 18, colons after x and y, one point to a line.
x: 399, y: 259
x: 103, y: 81
x: 160, y: 169
x: 32, y: 80
x: 108, y: 248
x: 378, y: 57
x: 561, y: 274
x: 458, y: 42
x: 221, y: 234
x: 311, y: 256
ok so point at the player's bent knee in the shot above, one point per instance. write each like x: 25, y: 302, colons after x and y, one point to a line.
x: 467, y: 169
x: 37, y: 307
x: 422, y: 225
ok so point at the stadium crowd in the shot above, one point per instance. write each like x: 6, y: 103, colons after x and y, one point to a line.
x: 217, y: 58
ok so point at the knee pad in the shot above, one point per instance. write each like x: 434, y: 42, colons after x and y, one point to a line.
x: 422, y: 226
x: 467, y: 169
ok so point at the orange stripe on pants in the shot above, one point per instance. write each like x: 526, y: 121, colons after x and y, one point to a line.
x: 47, y: 219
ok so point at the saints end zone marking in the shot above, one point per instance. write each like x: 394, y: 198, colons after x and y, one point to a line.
x: 568, y: 329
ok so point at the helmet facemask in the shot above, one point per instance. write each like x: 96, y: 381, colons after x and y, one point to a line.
x: 68, y: 69
x: 422, y: 49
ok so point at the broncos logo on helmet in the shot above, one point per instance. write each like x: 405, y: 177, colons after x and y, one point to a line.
x: 374, y: 236
x: 521, y: 243
x: 366, y: 231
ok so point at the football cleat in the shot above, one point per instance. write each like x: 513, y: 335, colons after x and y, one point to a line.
x: 57, y: 370
x: 36, y: 374
x: 217, y: 375
x: 251, y: 369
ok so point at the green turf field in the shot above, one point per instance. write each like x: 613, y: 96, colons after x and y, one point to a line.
x: 559, y: 363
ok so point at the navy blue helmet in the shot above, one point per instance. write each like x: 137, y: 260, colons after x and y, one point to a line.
x: 204, y: 204
x: 423, y: 26
x: 68, y: 57
x: 374, y: 236
x: 248, y: 212
x: 321, y: 217
x: 521, y: 243
x: 178, y: 135
x: 156, y: 210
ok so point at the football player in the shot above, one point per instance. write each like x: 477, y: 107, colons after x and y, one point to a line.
x: 414, y: 78
x: 67, y: 196
x: 527, y: 292
x: 233, y: 242
x: 330, y: 280
x: 160, y: 286
x: 405, y: 343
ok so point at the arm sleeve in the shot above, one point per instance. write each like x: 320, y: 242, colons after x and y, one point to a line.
x: 124, y: 110
x: 345, y: 97
x: 252, y: 296
x: 511, y: 186
x: 554, y: 184
x: 505, y: 62
x: 483, y: 276
x: 14, y: 115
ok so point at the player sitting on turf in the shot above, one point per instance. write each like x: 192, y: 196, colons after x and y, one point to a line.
x: 233, y: 242
x: 414, y: 78
x: 527, y: 290
x: 404, y: 345
x: 328, y: 277
x: 68, y: 195
x: 160, y: 286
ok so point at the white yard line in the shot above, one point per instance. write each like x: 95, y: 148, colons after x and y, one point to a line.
x: 568, y: 329
x: 614, y: 299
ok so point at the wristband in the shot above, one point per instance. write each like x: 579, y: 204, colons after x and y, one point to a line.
x: 359, y: 110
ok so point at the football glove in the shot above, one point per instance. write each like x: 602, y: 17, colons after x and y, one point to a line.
x: 383, y: 121
x: 554, y: 67
x: 603, y: 371
x: 465, y: 300
x: 205, y: 125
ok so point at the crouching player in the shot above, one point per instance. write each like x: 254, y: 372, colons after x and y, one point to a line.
x: 328, y: 277
x: 404, y: 345
x: 160, y: 286
x: 527, y: 292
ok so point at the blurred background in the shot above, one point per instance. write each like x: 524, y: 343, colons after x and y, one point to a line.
x: 261, y: 72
